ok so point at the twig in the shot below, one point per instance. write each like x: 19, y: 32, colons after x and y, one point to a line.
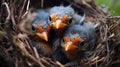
x: 95, y: 58
x: 8, y: 10
x: 22, y: 10
x: 46, y: 62
x: 42, y: 3
x: 36, y: 53
x: 98, y: 61
x: 20, y: 46
x: 112, y: 17
x: 28, y: 4
x: 13, y: 19
x: 60, y: 64
x: 112, y: 27
x: 16, y: 62
x: 115, y: 62
x: 27, y: 8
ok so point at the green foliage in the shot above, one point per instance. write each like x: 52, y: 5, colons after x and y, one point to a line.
x: 102, y: 2
x: 113, y: 6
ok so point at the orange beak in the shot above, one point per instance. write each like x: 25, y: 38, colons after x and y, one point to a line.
x: 58, y: 24
x: 43, y: 35
x: 69, y: 46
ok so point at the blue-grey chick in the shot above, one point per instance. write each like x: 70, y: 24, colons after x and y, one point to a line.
x: 41, y: 25
x: 41, y: 32
x: 79, y: 38
x: 62, y: 17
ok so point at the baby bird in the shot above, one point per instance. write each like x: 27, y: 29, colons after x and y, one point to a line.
x: 78, y: 39
x: 41, y: 26
x: 62, y: 17
x: 41, y: 30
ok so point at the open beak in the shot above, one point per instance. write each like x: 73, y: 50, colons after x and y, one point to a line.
x: 43, y: 35
x: 69, y: 46
x: 58, y: 24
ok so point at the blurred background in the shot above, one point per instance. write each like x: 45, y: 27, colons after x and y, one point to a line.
x: 111, y: 6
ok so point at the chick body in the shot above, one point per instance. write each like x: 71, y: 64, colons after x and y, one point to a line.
x: 79, y: 39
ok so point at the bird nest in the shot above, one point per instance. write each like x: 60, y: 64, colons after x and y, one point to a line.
x: 17, y: 50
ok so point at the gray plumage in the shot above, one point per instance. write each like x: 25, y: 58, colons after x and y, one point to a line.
x: 41, y: 18
x: 61, y: 11
x: 92, y: 34
x: 85, y: 31
x: 77, y: 30
x: 79, y: 19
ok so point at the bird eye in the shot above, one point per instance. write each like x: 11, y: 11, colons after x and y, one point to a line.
x: 70, y: 21
x: 50, y: 19
x: 82, y: 43
x: 63, y: 40
x: 33, y: 29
